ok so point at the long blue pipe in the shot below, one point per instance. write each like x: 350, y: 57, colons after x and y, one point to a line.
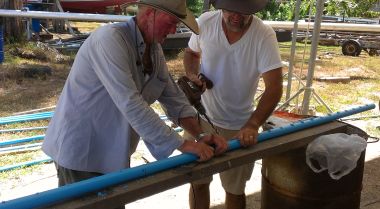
x: 25, y: 118
x: 21, y: 140
x: 26, y: 115
x: 37, y: 116
x: 78, y: 189
x: 16, y: 117
x: 24, y: 164
x: 20, y: 147
x: 22, y: 129
x: 41, y: 137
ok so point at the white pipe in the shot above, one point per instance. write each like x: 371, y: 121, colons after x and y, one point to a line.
x: 64, y: 15
x: 293, y: 48
x: 287, y: 25
x: 313, y: 55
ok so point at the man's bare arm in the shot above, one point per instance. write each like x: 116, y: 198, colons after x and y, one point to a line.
x: 270, y: 98
x: 192, y: 61
x: 268, y: 102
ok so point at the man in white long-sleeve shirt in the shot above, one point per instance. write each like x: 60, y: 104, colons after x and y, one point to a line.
x: 104, y: 106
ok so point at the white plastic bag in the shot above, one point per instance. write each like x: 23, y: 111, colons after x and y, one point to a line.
x: 338, y: 153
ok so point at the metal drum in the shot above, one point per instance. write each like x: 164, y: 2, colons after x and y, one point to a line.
x: 289, y: 183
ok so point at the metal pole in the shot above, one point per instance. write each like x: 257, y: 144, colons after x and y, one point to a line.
x: 44, y: 199
x: 313, y: 55
x: 293, y: 49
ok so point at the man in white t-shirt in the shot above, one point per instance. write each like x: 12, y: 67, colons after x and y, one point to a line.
x: 233, y: 49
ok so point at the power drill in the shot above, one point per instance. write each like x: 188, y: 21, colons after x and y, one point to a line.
x: 193, y: 93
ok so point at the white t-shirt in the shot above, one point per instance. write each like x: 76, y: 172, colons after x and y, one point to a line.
x: 234, y: 69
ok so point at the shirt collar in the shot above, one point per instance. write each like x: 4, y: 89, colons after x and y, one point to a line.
x: 135, y: 32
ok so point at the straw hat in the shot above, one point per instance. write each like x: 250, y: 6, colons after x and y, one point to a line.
x: 240, y: 6
x: 176, y: 8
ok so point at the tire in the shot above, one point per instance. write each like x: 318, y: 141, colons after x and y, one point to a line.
x: 351, y: 48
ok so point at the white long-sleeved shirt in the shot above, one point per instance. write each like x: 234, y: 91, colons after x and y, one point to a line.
x: 104, y: 105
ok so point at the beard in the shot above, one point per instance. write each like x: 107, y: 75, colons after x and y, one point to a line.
x: 238, y: 26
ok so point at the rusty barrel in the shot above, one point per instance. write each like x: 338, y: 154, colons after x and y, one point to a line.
x: 289, y: 183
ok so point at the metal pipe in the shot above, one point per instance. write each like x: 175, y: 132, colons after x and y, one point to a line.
x: 313, y: 55
x: 293, y: 48
x: 44, y: 199
x: 64, y: 15
x: 286, y: 25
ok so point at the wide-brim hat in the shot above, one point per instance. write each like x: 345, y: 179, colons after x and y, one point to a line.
x: 246, y: 7
x: 176, y: 8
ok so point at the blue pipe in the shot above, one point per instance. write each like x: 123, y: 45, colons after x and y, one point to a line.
x: 20, y: 147
x: 10, y: 120
x: 24, y: 164
x: 40, y: 137
x: 15, y: 117
x: 27, y: 146
x: 44, y: 199
x: 37, y: 116
x: 21, y: 140
x: 22, y: 129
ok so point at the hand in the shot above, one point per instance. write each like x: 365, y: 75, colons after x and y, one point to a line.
x: 219, y: 142
x: 247, y: 136
x: 194, y: 78
x: 202, y: 150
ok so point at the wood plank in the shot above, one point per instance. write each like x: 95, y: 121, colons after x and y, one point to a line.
x: 137, y: 189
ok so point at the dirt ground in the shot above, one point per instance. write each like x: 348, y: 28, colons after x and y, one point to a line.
x: 177, y: 198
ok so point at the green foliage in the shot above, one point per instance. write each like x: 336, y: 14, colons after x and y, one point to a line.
x: 195, y: 6
x: 284, y: 10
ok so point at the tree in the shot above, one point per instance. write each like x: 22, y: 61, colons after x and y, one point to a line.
x: 195, y: 6
x: 14, y: 29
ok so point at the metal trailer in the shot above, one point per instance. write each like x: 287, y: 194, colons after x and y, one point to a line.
x: 352, y: 43
x: 354, y: 46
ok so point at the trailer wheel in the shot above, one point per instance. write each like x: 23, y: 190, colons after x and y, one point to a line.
x: 351, y: 48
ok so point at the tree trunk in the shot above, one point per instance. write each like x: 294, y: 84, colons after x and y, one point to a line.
x: 14, y: 28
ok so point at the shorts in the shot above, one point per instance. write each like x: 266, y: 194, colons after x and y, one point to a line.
x: 234, y: 179
x: 67, y: 176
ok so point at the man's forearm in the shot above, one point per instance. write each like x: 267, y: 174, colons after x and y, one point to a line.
x: 264, y: 109
x: 191, y: 125
x: 191, y: 62
x: 269, y: 99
